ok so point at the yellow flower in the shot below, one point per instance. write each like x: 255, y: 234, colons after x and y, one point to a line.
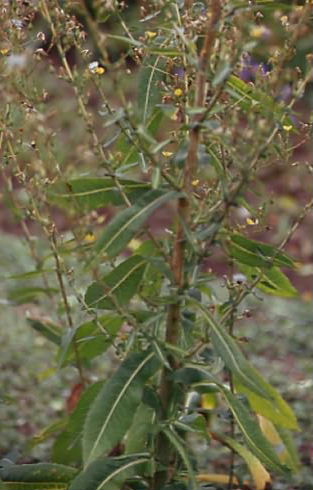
x: 4, y: 51
x: 178, y: 92
x: 100, y: 220
x: 252, y: 221
x: 260, y: 32
x: 287, y: 128
x: 95, y: 68
x: 150, y: 34
x: 195, y: 182
x: 89, y: 237
x: 134, y: 244
x: 167, y: 154
x: 100, y: 70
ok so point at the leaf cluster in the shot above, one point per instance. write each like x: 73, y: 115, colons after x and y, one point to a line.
x: 186, y: 146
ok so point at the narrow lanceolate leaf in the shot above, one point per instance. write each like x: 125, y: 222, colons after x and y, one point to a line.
x: 37, y: 476
x: 252, y: 433
x: 223, y: 479
x: 30, y: 274
x: 108, y: 473
x: 272, y: 281
x: 169, y: 52
x: 49, y: 431
x: 293, y: 457
x: 250, y: 97
x: 277, y: 439
x: 89, y: 339
x: 111, y: 414
x: 47, y: 329
x: 90, y: 193
x: 263, y: 397
x: 126, y: 40
x: 11, y: 485
x: 67, y: 447
x: 271, y: 434
x: 232, y: 356
x: 179, y: 445
x: 21, y: 295
x: 277, y: 409
x: 126, y: 224
x: 141, y: 428
x: 129, y: 151
x: 117, y: 287
x: 259, y: 474
x: 149, y: 93
x: 258, y: 254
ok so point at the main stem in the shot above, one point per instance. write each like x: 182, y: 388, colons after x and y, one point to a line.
x: 173, y: 324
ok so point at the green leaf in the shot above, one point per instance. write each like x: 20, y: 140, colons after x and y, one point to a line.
x: 30, y: 274
x: 258, y: 4
x: 180, y: 446
x: 168, y: 52
x: 189, y: 376
x: 68, y: 445
x: 232, y: 356
x: 48, y: 432
x: 149, y: 90
x: 21, y: 295
x: 250, y: 98
x: 137, y: 435
x: 252, y: 433
x: 111, y: 414
x: 126, y: 40
x: 223, y: 72
x: 125, y: 146
x: 292, y: 459
x: 155, y: 273
x: 49, y: 330
x: 114, y: 117
x: 273, y: 281
x: 156, y: 178
x: 91, y: 339
x: 126, y: 224
x: 249, y: 381
x: 276, y: 410
x: 152, y: 399
x: 43, y: 476
x: 254, y: 253
x: 257, y: 470
x: 108, y: 473
x: 122, y: 283
x: 194, y: 422
x: 216, y: 162
x: 90, y: 193
x: 161, y: 354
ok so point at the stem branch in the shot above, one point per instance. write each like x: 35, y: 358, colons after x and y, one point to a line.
x: 173, y: 324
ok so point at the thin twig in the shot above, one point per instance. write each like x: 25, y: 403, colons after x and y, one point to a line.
x: 23, y: 222
x: 59, y: 273
x: 248, y: 289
